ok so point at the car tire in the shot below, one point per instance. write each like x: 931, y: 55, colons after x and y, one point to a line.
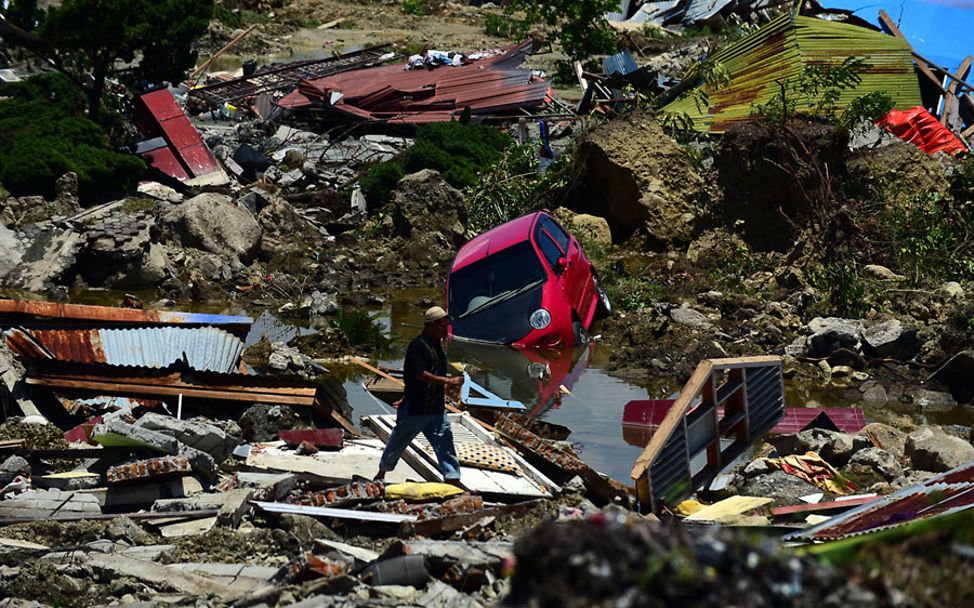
x: 581, y: 334
x: 603, y: 307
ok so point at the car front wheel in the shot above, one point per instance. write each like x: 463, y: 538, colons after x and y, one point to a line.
x: 603, y: 307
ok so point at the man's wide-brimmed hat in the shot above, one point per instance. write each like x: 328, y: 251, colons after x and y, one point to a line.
x: 434, y: 313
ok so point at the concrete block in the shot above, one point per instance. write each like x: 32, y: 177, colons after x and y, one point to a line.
x: 113, y: 431
x: 196, y: 434
x: 49, y: 504
x: 242, y: 578
x: 271, y: 486
x: 72, y: 480
x: 235, y: 506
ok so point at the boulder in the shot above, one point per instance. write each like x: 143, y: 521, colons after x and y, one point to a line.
x: 890, y: 340
x: 890, y: 439
x: 212, y: 222
x: 930, y: 401
x: 951, y: 290
x: 782, y: 487
x: 957, y: 374
x: 639, y: 179
x: 880, y: 461
x: 833, y: 446
x: 591, y: 228
x: 716, y: 248
x: 931, y: 449
x: 875, y: 271
x: 423, y: 202
x: 684, y: 315
x: 11, y: 250
x: 830, y: 334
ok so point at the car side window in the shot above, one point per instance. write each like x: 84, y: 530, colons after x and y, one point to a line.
x: 549, y: 250
x: 561, y: 237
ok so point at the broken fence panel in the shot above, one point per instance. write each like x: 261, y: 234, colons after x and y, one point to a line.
x: 695, y: 441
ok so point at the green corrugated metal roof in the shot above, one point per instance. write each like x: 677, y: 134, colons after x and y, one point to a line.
x: 779, y: 50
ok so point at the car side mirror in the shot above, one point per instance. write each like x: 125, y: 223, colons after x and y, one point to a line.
x: 561, y: 264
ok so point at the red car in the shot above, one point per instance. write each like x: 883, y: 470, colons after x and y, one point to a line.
x: 526, y: 282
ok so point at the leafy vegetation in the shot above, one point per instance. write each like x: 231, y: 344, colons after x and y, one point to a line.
x: 362, y: 329
x: 457, y: 149
x: 513, y: 186
x: 86, y: 39
x: 930, y: 235
x: 415, y: 7
x: 578, y: 25
x: 44, y: 137
x: 816, y: 92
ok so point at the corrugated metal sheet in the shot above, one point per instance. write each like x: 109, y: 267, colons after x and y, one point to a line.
x: 205, y: 348
x: 491, y: 85
x: 19, y: 309
x: 948, y: 493
x: 160, y: 115
x: 779, y: 50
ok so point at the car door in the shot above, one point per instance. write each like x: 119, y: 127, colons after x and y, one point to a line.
x: 577, y: 270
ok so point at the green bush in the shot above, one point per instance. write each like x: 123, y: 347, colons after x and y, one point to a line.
x: 458, y: 150
x: 361, y: 329
x: 514, y: 186
x: 929, y: 236
x: 379, y: 181
x: 415, y: 7
x: 45, y: 136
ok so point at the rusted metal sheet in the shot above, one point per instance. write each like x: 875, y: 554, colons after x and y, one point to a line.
x: 322, y: 438
x: 284, y: 76
x: 19, y: 309
x: 158, y: 115
x: 203, y: 348
x: 943, y: 495
x: 489, y: 85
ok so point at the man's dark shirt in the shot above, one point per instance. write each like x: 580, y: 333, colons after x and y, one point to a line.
x: 424, y: 354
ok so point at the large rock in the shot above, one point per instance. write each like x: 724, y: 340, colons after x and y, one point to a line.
x: 639, y: 179
x: 591, y: 228
x: 831, y: 333
x: 782, y: 487
x: 11, y: 250
x: 49, y: 260
x: 957, y: 374
x: 890, y: 340
x: 423, y: 202
x: 931, y: 449
x: 834, y: 446
x: 879, y: 461
x: 212, y: 222
x: 890, y: 439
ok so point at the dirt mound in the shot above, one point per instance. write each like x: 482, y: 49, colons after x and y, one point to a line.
x: 899, y: 169
x: 777, y: 180
x: 639, y: 179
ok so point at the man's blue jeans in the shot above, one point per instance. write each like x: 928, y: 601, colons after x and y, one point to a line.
x: 437, y: 430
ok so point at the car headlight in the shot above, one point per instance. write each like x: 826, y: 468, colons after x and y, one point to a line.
x: 540, y: 319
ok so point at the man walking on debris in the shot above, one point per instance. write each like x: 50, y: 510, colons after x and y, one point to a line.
x: 421, y: 408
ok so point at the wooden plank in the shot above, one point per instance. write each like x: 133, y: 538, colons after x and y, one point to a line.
x: 887, y: 21
x: 173, y: 390
x: 673, y: 418
x: 472, y: 478
x: 373, y: 516
x: 961, y: 73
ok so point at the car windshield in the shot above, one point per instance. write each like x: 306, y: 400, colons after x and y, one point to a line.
x: 494, y: 279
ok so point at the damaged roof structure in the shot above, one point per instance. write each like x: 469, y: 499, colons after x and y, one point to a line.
x: 490, y: 84
x: 780, y: 49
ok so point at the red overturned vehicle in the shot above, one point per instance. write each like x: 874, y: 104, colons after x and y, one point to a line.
x: 526, y: 282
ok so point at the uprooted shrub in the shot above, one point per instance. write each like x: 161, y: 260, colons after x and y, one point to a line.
x: 457, y: 149
x: 45, y: 135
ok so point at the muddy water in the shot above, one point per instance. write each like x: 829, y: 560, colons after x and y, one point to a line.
x: 570, y: 388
